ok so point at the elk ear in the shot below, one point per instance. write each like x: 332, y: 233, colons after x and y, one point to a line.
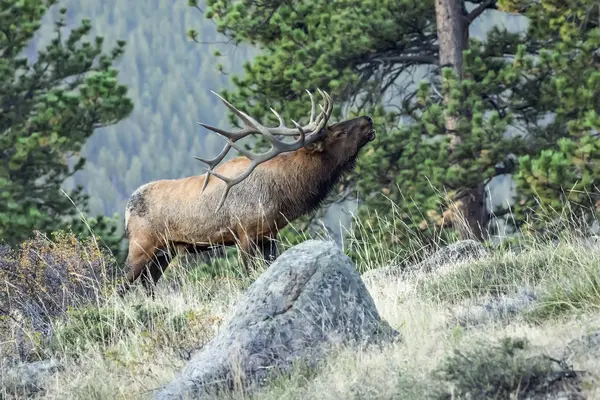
x: 316, y: 146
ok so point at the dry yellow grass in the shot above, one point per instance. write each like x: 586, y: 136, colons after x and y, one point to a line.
x: 128, y: 348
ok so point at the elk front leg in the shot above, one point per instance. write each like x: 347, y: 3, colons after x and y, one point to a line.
x: 263, y: 248
x: 139, y: 255
x: 153, y: 271
x: 268, y: 248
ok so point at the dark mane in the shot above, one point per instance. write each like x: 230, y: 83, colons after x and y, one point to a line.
x: 326, y: 186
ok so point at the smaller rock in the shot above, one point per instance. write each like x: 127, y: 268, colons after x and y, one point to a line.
x: 498, y: 307
x: 588, y: 346
x: 27, y: 379
x: 454, y: 253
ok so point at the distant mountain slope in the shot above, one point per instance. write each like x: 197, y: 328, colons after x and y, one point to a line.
x: 170, y: 78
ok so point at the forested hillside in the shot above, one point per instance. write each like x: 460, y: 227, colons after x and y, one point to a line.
x: 169, y: 79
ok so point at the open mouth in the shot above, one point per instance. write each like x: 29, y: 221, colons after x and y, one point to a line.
x: 371, y: 135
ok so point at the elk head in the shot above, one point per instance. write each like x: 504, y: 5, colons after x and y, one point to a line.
x: 342, y: 141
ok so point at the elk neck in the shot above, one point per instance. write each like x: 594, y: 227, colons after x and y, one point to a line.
x: 304, y: 179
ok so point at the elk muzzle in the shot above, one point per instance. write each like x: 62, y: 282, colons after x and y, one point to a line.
x: 370, y: 132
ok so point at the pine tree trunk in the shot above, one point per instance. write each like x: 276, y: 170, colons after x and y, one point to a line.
x: 453, y: 36
x: 453, y: 33
x: 474, y: 217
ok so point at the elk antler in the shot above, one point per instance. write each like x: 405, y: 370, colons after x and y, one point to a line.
x: 308, y: 134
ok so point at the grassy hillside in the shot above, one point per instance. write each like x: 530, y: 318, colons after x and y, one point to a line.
x: 510, y: 323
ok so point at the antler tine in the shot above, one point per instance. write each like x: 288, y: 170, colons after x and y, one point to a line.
x: 301, y: 141
x: 328, y: 105
x: 280, y: 118
x: 212, y: 163
x: 312, y: 106
x: 232, y: 135
x: 249, y: 122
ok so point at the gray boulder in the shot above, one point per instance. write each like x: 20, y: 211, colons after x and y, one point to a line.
x: 309, y: 300
x: 456, y: 252
x: 26, y: 379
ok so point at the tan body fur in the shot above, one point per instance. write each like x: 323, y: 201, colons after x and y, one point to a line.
x: 174, y: 214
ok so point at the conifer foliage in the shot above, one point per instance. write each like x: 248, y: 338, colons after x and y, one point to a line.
x: 565, y: 173
x: 49, y: 106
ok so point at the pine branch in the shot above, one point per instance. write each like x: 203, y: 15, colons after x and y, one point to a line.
x: 416, y: 59
x: 477, y: 11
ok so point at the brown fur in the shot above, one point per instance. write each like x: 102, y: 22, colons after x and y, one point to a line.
x: 168, y: 215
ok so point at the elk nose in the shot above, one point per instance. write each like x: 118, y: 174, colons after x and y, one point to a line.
x: 369, y: 119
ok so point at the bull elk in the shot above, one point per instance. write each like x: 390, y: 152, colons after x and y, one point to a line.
x: 245, y: 200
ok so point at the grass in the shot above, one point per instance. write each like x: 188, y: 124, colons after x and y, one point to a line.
x: 127, y: 348
x: 566, y: 278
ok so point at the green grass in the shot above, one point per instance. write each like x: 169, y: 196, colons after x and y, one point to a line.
x: 105, y: 326
x: 500, y: 274
x: 566, y: 279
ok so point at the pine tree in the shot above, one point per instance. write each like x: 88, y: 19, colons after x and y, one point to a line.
x: 564, y: 177
x: 444, y: 134
x: 479, y: 108
x: 49, y: 107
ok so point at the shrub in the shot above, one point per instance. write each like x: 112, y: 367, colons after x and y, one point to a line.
x: 43, y: 278
x: 490, y: 370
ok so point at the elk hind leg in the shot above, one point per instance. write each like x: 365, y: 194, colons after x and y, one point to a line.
x: 247, y: 249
